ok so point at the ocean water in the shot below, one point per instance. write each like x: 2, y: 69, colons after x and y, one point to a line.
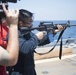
x: 70, y: 32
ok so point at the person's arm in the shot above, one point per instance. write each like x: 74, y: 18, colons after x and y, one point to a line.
x: 44, y: 41
x: 27, y: 46
x: 9, y: 56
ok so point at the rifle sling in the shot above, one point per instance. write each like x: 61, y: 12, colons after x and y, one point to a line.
x: 60, y: 53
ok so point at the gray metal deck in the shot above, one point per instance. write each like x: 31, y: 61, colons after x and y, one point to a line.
x: 54, y: 66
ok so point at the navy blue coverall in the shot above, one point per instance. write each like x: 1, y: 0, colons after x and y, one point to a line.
x: 27, y: 44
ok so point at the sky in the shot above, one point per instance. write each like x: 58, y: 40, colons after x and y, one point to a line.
x: 48, y: 9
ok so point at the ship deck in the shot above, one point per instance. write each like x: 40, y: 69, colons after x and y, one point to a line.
x: 55, y: 66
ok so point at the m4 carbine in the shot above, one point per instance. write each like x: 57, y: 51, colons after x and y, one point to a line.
x: 49, y: 27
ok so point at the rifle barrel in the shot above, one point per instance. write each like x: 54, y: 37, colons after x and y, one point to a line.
x: 72, y: 25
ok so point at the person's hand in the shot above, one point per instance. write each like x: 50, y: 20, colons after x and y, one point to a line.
x: 60, y: 28
x: 11, y: 15
x: 40, y: 35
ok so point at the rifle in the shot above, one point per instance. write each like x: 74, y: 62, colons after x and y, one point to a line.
x: 49, y: 27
